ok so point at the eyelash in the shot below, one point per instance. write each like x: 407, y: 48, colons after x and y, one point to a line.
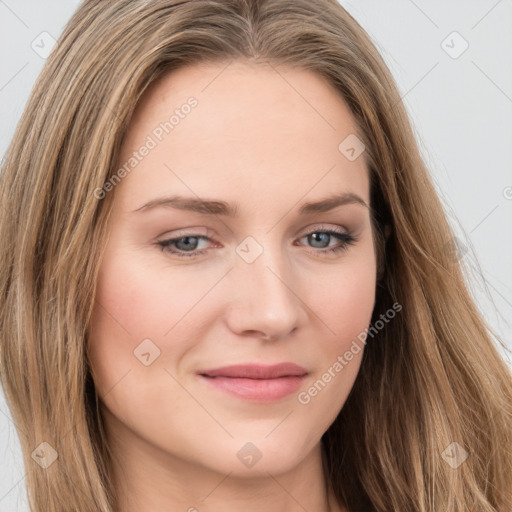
x: 346, y: 238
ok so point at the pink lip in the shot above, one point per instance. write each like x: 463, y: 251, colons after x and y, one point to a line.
x: 256, y: 382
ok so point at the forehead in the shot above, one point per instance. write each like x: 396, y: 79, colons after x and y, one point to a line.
x: 254, y: 128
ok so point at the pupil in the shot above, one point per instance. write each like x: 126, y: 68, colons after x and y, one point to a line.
x: 317, y: 237
x: 187, y: 244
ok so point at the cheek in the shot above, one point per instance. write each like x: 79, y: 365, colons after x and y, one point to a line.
x: 346, y: 299
x: 138, y: 299
x: 344, y: 305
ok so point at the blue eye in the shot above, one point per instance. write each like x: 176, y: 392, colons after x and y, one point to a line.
x: 190, y: 243
x: 321, y: 236
x: 186, y: 246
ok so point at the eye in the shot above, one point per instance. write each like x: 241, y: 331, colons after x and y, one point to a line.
x: 187, y: 246
x: 321, y: 238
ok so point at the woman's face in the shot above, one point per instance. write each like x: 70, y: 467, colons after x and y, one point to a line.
x: 252, y: 279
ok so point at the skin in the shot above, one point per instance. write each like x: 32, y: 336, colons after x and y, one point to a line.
x: 266, y: 138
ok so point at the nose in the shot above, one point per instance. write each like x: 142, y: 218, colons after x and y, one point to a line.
x: 264, y: 297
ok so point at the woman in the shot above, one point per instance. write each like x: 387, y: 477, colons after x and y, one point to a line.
x: 267, y: 369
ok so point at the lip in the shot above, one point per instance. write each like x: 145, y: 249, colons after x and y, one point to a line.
x: 256, y: 382
x: 256, y: 371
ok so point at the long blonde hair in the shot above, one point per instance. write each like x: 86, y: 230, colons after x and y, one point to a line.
x: 431, y: 378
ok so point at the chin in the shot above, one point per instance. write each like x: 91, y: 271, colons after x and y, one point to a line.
x: 253, y: 457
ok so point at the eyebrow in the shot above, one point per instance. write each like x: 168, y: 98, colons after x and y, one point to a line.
x: 216, y: 207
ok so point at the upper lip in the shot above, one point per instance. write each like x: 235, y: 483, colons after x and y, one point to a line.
x: 256, y: 371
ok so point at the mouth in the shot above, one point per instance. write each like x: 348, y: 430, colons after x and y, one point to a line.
x: 255, y: 382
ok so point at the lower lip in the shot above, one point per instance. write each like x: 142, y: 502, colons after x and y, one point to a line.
x: 257, y: 390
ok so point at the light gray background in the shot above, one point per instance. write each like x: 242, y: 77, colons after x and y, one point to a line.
x: 461, y: 109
